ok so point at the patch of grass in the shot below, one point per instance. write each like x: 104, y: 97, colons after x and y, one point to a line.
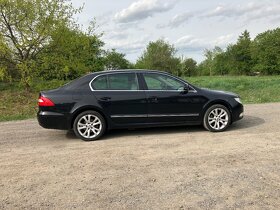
x: 16, y: 103
x: 251, y: 89
x: 47, y: 85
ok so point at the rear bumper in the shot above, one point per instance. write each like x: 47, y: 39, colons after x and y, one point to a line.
x: 52, y: 120
x: 237, y: 112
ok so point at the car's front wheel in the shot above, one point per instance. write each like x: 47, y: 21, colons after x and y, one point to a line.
x: 89, y: 125
x: 217, y: 118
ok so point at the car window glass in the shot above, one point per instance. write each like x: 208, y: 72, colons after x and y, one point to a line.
x: 100, y: 83
x: 162, y: 82
x: 123, y: 81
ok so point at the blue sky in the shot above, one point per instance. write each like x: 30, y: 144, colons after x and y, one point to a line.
x: 191, y: 25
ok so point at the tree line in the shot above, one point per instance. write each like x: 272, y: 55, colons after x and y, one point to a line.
x: 260, y: 56
x: 41, y: 39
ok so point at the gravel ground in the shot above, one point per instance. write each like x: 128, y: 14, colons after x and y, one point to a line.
x: 156, y: 168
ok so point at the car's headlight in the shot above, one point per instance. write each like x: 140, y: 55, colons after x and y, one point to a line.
x: 238, y: 100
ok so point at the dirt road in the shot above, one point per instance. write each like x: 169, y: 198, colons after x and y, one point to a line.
x: 157, y: 168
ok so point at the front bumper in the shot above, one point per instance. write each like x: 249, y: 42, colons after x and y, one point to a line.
x: 52, y: 120
x: 237, y: 112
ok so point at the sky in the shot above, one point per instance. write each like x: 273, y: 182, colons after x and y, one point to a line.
x: 190, y: 25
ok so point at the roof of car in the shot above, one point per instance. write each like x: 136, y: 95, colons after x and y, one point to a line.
x: 129, y: 70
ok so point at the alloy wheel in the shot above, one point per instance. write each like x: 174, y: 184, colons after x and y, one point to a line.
x: 89, y: 126
x: 218, y: 119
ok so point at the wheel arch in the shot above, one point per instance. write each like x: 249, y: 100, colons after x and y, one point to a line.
x: 87, y: 108
x: 216, y: 102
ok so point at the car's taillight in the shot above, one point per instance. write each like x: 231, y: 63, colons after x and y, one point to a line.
x: 43, y: 101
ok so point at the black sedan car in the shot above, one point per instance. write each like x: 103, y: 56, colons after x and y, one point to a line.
x: 106, y: 100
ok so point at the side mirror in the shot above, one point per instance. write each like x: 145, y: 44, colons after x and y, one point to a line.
x: 186, y: 89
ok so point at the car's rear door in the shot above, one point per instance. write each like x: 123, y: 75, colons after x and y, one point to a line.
x: 167, y: 101
x: 119, y: 95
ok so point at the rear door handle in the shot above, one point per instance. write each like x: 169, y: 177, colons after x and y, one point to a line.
x: 153, y: 99
x: 105, y: 98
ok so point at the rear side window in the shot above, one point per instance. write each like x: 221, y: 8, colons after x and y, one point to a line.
x: 100, y: 83
x: 118, y: 81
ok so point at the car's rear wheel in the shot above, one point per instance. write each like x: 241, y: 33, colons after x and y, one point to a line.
x: 89, y: 125
x: 217, y: 118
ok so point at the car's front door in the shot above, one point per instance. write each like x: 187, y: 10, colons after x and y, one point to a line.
x: 119, y: 95
x: 167, y: 100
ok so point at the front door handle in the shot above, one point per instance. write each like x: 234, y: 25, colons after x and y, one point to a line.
x: 153, y: 99
x: 105, y: 98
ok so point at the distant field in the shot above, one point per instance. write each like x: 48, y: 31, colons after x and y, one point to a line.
x: 17, y: 103
x: 251, y: 89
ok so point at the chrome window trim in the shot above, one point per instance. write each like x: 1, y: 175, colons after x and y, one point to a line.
x: 109, y: 73
x: 190, y: 91
x: 156, y: 115
x: 174, y: 115
x: 129, y: 116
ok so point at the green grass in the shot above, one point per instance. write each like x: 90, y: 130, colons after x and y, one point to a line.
x: 251, y: 89
x: 16, y: 103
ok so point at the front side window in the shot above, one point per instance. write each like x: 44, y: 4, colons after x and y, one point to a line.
x: 162, y: 82
x: 117, y: 81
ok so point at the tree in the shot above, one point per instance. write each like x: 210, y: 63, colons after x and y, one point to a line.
x: 6, y: 63
x: 115, y: 60
x: 70, y: 54
x: 189, y: 67
x: 222, y: 64
x: 207, y: 67
x: 26, y: 26
x: 241, y: 55
x: 159, y: 55
x: 237, y: 58
x: 266, y: 52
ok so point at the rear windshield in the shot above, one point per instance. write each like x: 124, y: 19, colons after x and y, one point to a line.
x: 79, y: 83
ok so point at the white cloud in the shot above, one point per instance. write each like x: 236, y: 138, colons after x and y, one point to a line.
x: 178, y: 20
x: 120, y: 35
x: 272, y: 11
x: 143, y: 9
x: 190, y: 43
x: 251, y: 11
x: 233, y: 10
x: 128, y: 46
x: 223, y: 41
x: 104, y: 19
x: 276, y: 20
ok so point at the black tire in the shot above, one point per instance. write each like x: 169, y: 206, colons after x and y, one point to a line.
x: 218, y: 123
x: 83, y: 121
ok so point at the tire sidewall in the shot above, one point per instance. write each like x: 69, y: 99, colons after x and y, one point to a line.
x: 92, y: 113
x: 205, y: 118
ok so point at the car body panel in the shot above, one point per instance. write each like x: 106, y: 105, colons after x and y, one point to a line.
x: 174, y: 106
x: 123, y: 106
